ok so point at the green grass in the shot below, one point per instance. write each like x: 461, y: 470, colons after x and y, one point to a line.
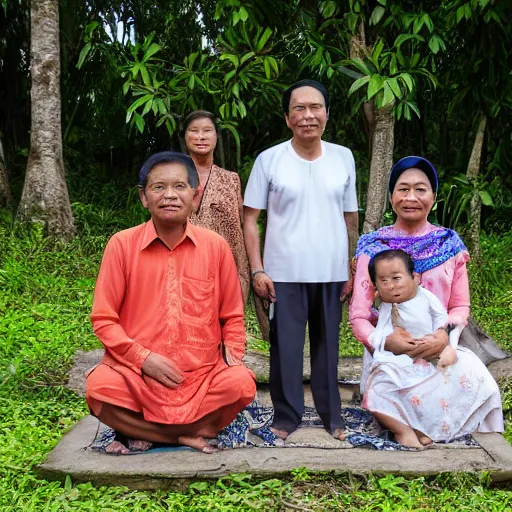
x: 45, y: 300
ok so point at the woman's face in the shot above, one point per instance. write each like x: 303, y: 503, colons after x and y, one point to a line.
x: 201, y: 137
x: 412, y: 198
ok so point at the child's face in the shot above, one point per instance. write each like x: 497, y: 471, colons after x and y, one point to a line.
x: 394, y: 282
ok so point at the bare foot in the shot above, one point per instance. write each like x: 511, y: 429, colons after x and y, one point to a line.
x: 282, y: 434
x: 199, y: 443
x: 117, y: 448
x: 422, y: 438
x: 408, y: 438
x: 139, y: 445
x: 339, y: 434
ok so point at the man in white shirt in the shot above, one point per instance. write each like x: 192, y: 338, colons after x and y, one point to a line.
x: 308, y: 188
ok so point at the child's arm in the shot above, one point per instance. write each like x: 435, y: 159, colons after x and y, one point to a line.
x: 440, y: 319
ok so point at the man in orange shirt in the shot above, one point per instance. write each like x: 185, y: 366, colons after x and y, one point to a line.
x: 168, y: 308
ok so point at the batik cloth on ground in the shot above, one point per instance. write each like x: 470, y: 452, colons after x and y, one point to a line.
x: 251, y: 428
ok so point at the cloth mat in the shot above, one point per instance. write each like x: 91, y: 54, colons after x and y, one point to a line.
x: 251, y: 428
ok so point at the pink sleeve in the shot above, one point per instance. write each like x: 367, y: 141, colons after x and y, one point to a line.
x: 362, y: 316
x: 458, y: 305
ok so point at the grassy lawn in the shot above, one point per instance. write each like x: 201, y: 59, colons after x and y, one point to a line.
x: 45, y: 300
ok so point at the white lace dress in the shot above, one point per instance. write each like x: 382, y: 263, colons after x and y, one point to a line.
x: 443, y: 404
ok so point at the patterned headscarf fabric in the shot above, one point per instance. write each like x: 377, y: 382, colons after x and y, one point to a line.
x: 428, y: 251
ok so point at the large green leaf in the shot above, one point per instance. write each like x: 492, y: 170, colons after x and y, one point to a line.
x: 375, y: 85
x: 328, y: 8
x: 274, y: 64
x: 263, y: 39
x: 266, y: 65
x: 486, y: 198
x: 377, y: 50
x: 433, y: 44
x: 359, y: 64
x: 349, y: 72
x: 137, y: 103
x: 154, y: 48
x: 246, y: 57
x: 229, y: 76
x: 402, y: 38
x: 244, y: 15
x: 388, y: 97
x: 358, y: 84
x: 395, y: 87
x: 147, y: 107
x: 377, y: 14
x: 83, y: 54
x: 408, y: 81
x: 460, y: 13
x: 139, y: 122
x: 232, y: 58
x: 145, y: 75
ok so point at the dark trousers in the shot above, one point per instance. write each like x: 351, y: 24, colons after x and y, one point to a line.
x: 317, y: 304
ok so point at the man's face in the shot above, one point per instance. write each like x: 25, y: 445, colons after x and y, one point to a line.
x: 168, y: 195
x: 307, y: 115
x: 393, y: 281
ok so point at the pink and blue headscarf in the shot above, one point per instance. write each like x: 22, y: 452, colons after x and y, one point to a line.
x: 428, y: 251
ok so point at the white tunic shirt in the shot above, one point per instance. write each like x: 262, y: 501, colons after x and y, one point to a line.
x: 306, y: 239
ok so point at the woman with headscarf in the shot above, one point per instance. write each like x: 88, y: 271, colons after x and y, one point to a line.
x: 441, y: 404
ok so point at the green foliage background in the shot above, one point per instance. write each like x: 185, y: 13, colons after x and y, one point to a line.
x: 123, y: 98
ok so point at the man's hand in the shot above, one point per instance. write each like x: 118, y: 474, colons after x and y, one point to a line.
x: 400, y: 342
x: 163, y: 370
x: 264, y: 287
x: 230, y: 358
x: 430, y: 346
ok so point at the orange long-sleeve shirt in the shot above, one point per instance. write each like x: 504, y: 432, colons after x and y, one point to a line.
x: 181, y: 303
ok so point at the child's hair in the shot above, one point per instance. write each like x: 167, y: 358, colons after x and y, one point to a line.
x: 390, y: 255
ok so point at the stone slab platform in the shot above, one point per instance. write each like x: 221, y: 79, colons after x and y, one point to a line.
x: 175, y: 469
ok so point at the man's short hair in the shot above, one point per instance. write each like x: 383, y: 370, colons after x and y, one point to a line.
x: 390, y: 255
x: 304, y: 83
x: 169, y: 157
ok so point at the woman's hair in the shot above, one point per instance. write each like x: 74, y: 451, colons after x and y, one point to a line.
x: 390, y: 255
x: 169, y: 157
x: 198, y: 114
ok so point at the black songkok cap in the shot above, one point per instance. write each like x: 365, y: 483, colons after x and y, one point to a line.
x: 304, y: 83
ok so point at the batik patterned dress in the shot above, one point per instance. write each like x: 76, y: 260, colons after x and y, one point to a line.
x: 218, y: 207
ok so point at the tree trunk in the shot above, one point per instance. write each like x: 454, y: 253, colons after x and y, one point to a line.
x: 357, y: 51
x: 380, y: 165
x: 5, y: 194
x: 45, y: 198
x: 475, y: 207
x: 220, y: 149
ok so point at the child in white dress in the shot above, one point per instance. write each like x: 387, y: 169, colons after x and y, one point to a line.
x: 405, y: 304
